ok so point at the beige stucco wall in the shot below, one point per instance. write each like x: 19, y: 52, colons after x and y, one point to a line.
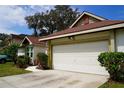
x: 38, y: 49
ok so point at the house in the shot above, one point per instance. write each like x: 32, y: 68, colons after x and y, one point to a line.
x: 77, y: 48
x: 15, y: 39
x: 30, y: 46
x: 10, y: 39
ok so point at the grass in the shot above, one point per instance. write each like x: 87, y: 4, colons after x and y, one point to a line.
x: 9, y: 68
x: 112, y: 84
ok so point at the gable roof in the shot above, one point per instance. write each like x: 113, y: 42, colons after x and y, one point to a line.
x: 33, y: 41
x: 16, y: 38
x: 93, y: 27
x: 89, y: 14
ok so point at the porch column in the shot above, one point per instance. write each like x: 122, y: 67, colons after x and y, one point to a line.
x: 49, y: 55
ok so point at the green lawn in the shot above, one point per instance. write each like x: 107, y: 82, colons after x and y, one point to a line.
x: 112, y: 84
x: 9, y: 68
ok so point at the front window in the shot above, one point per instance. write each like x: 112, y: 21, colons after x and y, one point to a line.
x: 31, y: 54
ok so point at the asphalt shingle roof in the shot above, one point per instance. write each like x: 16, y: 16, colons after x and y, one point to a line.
x: 86, y: 27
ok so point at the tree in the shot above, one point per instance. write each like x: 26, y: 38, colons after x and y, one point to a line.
x: 12, y: 51
x: 65, y: 16
x: 33, y: 22
x: 57, y: 19
x: 43, y: 32
x: 4, y: 40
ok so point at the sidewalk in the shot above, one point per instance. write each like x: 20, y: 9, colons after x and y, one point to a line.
x: 33, y: 69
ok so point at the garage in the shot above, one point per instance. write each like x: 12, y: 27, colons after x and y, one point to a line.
x: 81, y: 57
x: 77, y: 47
x: 120, y: 41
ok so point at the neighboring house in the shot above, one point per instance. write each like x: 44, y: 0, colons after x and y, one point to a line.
x: 10, y: 40
x: 15, y: 39
x: 77, y: 48
x: 30, y: 46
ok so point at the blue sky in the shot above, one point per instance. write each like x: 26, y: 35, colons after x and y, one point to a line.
x: 12, y: 17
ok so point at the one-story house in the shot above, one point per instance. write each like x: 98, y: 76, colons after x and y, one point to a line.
x: 15, y: 39
x: 12, y: 39
x: 31, y: 46
x: 77, y: 48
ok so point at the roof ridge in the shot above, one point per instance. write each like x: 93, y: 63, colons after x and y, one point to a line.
x: 89, y: 14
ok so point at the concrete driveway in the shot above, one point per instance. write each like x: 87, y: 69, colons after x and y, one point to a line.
x: 53, y: 79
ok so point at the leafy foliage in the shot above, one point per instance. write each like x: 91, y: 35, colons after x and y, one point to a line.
x: 112, y: 84
x: 4, y: 39
x: 34, y: 22
x: 22, y: 61
x: 12, y: 51
x: 43, y: 59
x: 114, y: 64
x: 57, y: 19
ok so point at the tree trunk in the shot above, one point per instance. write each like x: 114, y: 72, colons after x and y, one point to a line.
x: 15, y: 62
x: 35, y: 32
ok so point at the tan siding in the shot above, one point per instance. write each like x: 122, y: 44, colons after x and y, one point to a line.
x: 92, y: 20
x: 82, y: 38
x: 86, y: 19
x: 50, y: 55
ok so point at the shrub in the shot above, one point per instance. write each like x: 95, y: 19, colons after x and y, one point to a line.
x: 27, y: 58
x: 114, y: 64
x: 43, y: 59
x: 11, y: 50
x: 23, y: 61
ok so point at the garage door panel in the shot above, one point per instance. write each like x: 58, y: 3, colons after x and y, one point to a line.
x: 120, y: 41
x: 80, y: 57
x: 86, y: 47
x: 76, y: 58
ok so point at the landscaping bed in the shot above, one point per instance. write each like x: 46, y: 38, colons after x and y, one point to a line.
x: 112, y: 84
x: 9, y: 68
x: 114, y: 64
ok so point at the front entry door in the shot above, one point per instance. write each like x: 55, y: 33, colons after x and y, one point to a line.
x: 30, y: 53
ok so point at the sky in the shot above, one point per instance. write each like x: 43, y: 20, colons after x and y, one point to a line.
x: 12, y: 17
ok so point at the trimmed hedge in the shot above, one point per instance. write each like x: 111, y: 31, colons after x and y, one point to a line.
x: 114, y: 64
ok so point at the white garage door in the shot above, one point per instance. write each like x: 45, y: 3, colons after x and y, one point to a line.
x: 120, y: 41
x: 80, y: 57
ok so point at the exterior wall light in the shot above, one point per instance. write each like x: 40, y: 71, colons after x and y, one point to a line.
x: 71, y: 37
